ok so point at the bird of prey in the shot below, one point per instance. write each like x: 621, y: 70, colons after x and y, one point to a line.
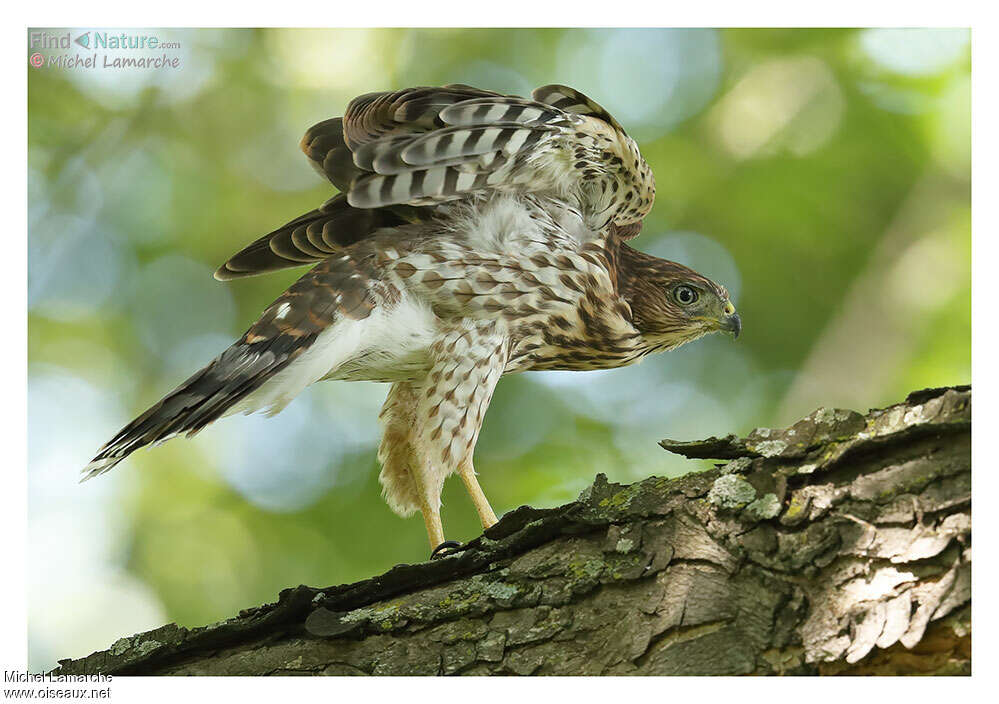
x: 474, y: 235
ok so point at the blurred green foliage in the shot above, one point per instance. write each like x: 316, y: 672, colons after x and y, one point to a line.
x: 823, y: 175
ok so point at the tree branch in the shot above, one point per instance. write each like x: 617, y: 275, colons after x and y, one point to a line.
x: 839, y: 545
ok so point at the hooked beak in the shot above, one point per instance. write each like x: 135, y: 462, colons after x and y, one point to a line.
x: 731, y: 322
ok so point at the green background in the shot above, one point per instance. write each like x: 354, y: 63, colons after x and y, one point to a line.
x: 823, y: 176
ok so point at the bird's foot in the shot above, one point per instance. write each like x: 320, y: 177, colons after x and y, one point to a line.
x: 445, y: 549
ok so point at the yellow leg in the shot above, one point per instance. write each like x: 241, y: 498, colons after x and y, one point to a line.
x: 431, y: 513
x: 432, y: 521
x: 486, y: 515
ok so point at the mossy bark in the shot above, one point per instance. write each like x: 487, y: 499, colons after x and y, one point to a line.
x: 841, y: 545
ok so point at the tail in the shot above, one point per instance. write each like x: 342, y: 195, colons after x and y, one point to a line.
x: 205, y: 397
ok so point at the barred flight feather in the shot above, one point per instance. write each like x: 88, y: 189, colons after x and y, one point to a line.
x: 570, y: 100
x: 398, y: 156
x: 484, y: 111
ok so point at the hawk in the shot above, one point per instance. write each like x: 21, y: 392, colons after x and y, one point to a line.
x: 474, y: 235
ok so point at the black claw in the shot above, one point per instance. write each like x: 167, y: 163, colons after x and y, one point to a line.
x: 444, y: 549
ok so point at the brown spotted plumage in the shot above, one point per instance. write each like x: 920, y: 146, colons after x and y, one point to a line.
x: 475, y: 235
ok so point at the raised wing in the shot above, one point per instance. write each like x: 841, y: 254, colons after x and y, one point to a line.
x: 432, y: 145
x: 335, y: 224
x: 397, y: 156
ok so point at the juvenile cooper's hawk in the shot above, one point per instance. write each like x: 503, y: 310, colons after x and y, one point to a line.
x: 475, y: 235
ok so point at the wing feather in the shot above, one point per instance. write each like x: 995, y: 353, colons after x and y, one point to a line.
x: 312, y: 237
x: 396, y: 156
x: 328, y: 153
x: 426, y: 146
x: 571, y: 100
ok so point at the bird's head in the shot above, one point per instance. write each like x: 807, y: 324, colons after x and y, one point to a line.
x: 672, y: 304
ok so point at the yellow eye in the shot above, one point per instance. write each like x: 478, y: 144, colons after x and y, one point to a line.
x: 684, y: 295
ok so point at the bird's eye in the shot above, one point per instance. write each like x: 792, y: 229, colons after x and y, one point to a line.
x: 684, y: 295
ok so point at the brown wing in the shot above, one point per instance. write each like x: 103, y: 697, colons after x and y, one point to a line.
x: 425, y: 146
x: 430, y: 145
x: 396, y: 155
x: 316, y: 235
x: 324, y: 145
x: 313, y: 237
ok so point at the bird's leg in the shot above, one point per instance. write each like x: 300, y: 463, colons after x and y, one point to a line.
x: 432, y: 521
x: 429, y: 506
x: 485, y: 511
x: 407, y: 478
x: 467, y: 361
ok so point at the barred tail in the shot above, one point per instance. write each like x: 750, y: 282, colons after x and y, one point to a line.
x: 203, y: 398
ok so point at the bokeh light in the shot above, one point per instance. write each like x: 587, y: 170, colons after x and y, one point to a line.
x: 915, y: 51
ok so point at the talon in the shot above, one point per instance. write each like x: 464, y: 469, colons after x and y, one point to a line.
x: 445, y: 549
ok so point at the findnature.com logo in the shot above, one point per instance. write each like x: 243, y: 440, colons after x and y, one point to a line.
x: 121, y: 47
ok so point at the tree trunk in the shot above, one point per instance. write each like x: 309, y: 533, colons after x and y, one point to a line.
x: 841, y: 545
